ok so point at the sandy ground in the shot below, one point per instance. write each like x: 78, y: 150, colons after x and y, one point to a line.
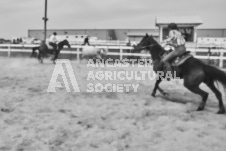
x: 31, y: 119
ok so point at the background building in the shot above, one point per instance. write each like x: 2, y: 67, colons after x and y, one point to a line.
x: 104, y: 34
x: 122, y: 34
x: 187, y: 25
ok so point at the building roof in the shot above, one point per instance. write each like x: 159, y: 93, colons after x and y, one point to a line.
x: 142, y: 33
x: 194, y: 20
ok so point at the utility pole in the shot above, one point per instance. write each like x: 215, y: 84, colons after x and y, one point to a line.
x: 45, y: 20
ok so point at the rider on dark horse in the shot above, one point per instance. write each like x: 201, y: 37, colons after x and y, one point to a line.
x: 53, y: 41
x: 176, y: 40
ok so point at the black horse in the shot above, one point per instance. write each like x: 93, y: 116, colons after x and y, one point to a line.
x: 193, y: 71
x: 44, y: 50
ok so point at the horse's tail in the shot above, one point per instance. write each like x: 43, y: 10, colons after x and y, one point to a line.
x: 216, y: 74
x: 33, y: 51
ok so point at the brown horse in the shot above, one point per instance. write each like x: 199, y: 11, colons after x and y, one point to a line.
x: 193, y: 71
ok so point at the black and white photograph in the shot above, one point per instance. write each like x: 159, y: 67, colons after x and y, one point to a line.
x: 113, y: 75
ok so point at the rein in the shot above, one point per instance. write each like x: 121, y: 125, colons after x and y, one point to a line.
x: 149, y: 46
x: 144, y: 47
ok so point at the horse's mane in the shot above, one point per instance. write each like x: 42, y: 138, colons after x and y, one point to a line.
x: 63, y: 41
x: 156, y: 50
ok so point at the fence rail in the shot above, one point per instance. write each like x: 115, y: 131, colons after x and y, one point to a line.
x: 75, y: 49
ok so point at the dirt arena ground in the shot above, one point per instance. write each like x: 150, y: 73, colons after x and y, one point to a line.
x: 32, y: 119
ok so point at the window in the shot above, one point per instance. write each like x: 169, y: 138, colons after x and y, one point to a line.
x: 187, y: 32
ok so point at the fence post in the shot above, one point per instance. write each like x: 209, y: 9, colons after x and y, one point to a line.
x: 221, y: 58
x: 209, y: 54
x: 121, y: 53
x: 9, y: 50
x: 22, y: 49
x: 77, y: 50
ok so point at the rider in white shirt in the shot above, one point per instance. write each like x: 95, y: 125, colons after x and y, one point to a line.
x: 53, y: 41
x: 176, y: 40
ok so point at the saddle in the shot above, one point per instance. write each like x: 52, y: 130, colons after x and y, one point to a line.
x: 50, y: 48
x: 178, y: 60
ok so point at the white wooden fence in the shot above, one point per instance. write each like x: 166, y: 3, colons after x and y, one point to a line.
x: 9, y: 48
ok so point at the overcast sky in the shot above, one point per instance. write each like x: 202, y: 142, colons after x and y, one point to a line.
x: 17, y: 16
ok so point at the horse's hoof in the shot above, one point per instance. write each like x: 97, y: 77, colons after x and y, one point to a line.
x: 165, y: 94
x: 153, y: 95
x: 221, y: 111
x: 200, y: 108
x: 147, y: 103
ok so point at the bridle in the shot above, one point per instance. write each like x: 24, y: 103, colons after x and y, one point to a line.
x: 148, y: 46
x: 145, y: 47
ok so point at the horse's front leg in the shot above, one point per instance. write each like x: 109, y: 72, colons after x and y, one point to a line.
x: 156, y: 87
x: 162, y: 91
x: 40, y: 57
x: 33, y: 53
x: 55, y: 57
x: 158, y: 81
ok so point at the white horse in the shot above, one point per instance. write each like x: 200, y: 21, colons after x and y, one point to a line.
x: 91, y: 52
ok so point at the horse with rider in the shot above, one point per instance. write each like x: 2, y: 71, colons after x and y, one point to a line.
x: 179, y: 61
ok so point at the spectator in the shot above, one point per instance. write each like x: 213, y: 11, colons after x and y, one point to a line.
x: 21, y: 40
x: 86, y: 41
x: 129, y: 43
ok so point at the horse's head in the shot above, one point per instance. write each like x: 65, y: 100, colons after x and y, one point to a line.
x: 145, y: 43
x: 103, y: 51
x: 149, y: 43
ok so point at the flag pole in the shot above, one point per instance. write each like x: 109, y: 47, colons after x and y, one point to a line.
x: 45, y: 20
